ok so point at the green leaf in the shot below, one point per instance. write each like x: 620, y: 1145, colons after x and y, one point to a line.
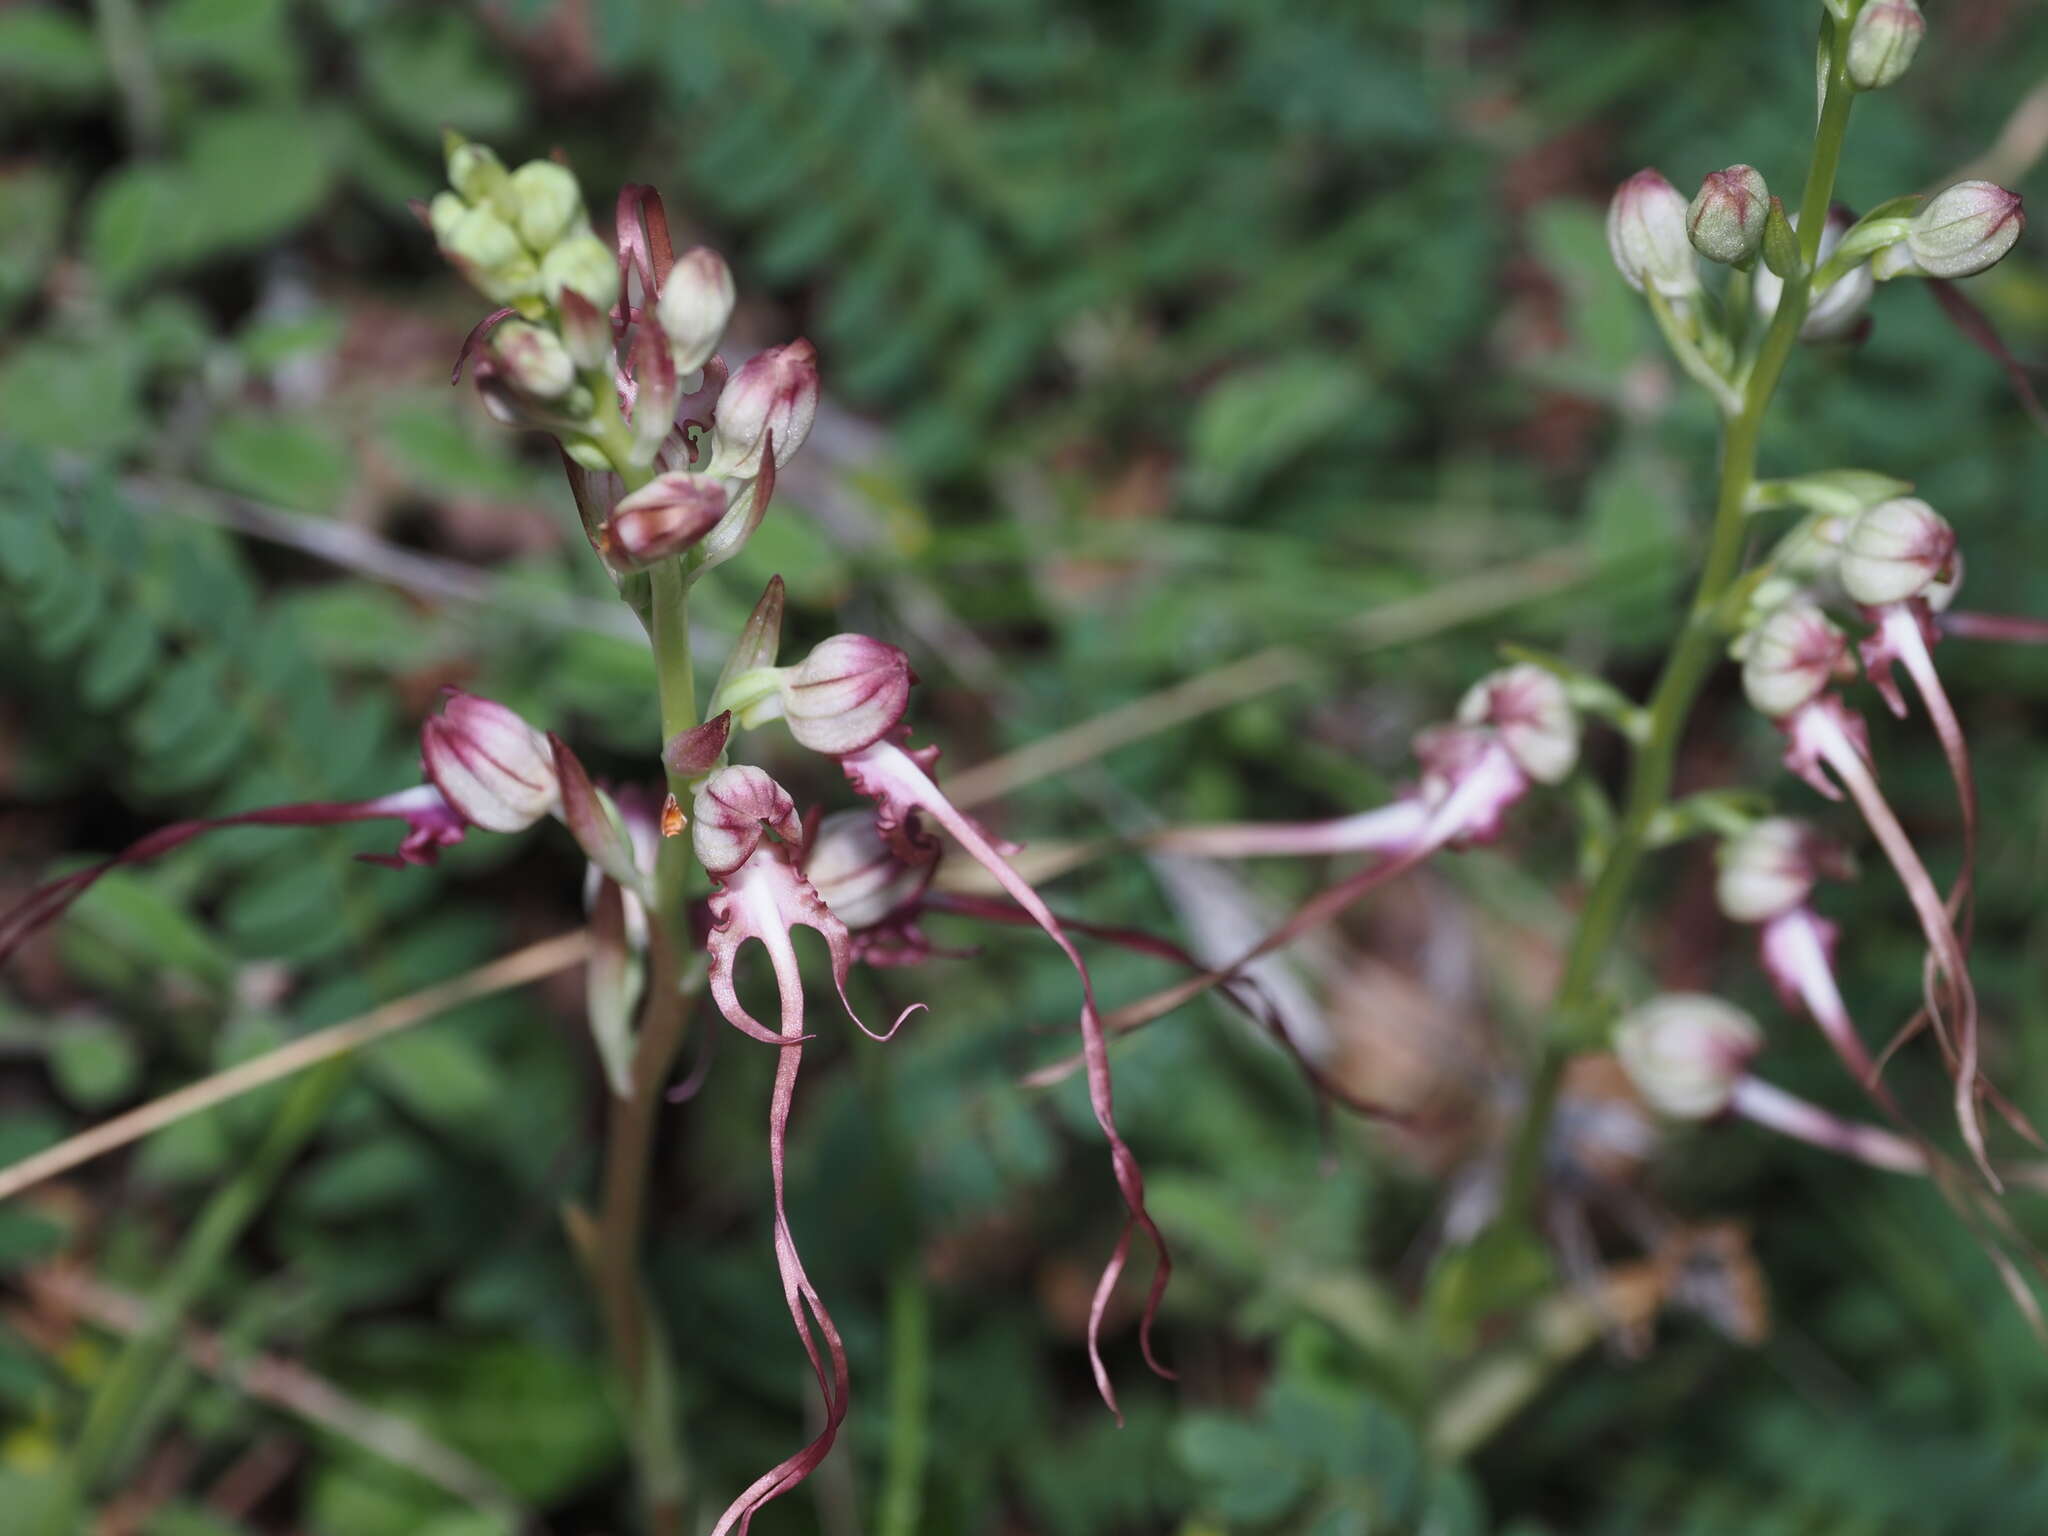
x: 294, y: 462
x: 123, y: 653
x: 1499, y: 1270
x: 77, y: 395
x: 93, y: 1062
x: 1255, y: 422
x: 434, y: 71
x: 244, y: 36
x: 45, y: 51
x: 133, y: 222
x: 32, y: 206
x: 128, y: 911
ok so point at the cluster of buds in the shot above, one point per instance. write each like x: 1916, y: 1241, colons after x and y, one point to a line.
x: 613, y: 349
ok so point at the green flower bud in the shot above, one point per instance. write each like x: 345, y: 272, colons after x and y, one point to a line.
x: 549, y: 203
x: 1726, y: 220
x: 481, y: 244
x: 1883, y: 41
x: 581, y: 264
x: 536, y: 359
x: 1965, y: 229
x: 475, y: 171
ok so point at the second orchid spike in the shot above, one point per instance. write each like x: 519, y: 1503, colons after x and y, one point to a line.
x: 1727, y: 216
x: 1646, y: 234
x: 1882, y: 41
x: 1686, y: 1051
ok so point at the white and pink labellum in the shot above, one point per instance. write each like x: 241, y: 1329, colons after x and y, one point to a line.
x: 1685, y: 1052
x: 666, y: 517
x: 1533, y: 715
x: 1895, y: 550
x: 497, y: 771
x: 1792, y: 657
x: 747, y: 835
x: 773, y: 396
x: 900, y: 784
x: 847, y: 694
x: 1774, y: 1109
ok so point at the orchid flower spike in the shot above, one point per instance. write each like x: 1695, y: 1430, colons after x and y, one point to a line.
x: 485, y: 767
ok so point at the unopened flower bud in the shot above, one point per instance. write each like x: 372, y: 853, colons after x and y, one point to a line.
x: 1726, y: 220
x: 535, y: 358
x: 695, y: 303
x: 475, y: 171
x: 495, y: 769
x: 1685, y: 1052
x: 664, y: 517
x: 1792, y: 657
x: 478, y: 241
x: 847, y: 694
x: 583, y: 265
x: 1533, y: 715
x: 1646, y: 232
x: 851, y: 865
x: 1895, y: 551
x: 550, y: 204
x: 732, y: 813
x: 774, y: 395
x: 1883, y: 41
x: 1965, y: 229
x: 1766, y: 870
x: 586, y: 332
x: 1836, y: 310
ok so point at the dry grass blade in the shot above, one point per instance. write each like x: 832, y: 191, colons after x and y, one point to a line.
x: 1446, y: 607
x: 500, y: 975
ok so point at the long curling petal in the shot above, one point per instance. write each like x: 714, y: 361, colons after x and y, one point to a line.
x: 900, y: 787
x: 1824, y: 733
x: 432, y: 823
x: 801, y: 1297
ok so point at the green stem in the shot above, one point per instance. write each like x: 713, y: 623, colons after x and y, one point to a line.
x: 117, y: 1420
x: 1691, y: 657
x: 629, y: 1139
x: 910, y: 1327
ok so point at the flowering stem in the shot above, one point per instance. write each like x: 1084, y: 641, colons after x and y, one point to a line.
x: 629, y: 1138
x: 1692, y: 656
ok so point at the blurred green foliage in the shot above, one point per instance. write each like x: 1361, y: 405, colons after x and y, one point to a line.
x: 1156, y: 331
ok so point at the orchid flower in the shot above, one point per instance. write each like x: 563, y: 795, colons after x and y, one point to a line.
x: 1689, y: 1054
x: 846, y: 700
x: 1515, y: 729
x: 484, y: 767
